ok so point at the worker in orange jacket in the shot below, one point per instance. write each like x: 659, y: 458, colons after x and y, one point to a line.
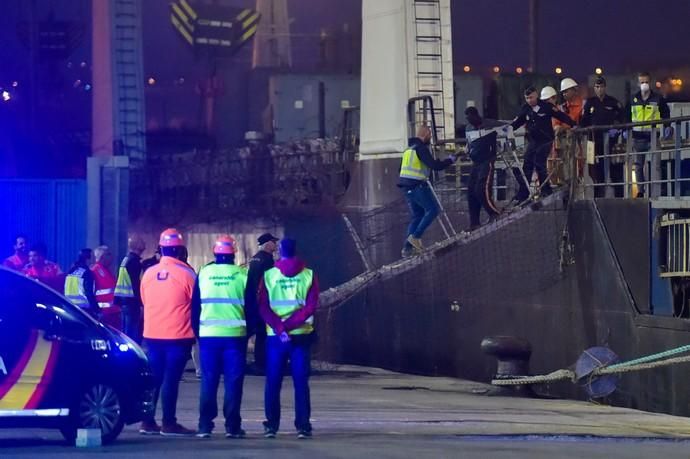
x: 105, y: 281
x: 572, y: 103
x: 20, y: 258
x: 573, y: 106
x: 166, y: 294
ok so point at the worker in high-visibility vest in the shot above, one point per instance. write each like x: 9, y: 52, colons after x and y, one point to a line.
x: 646, y: 105
x: 417, y: 163
x: 127, y: 294
x: 288, y: 298
x: 79, y: 284
x: 219, y: 322
x: 105, y: 286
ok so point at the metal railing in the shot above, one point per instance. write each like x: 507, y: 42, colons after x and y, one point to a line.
x: 675, y: 238
x: 617, y: 153
x: 510, y: 153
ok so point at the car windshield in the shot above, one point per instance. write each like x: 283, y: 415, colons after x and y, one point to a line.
x: 18, y: 287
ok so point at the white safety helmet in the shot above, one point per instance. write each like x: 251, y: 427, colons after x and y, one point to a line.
x: 547, y: 92
x: 567, y: 83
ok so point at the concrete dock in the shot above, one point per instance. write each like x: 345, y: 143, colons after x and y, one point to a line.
x: 359, y: 412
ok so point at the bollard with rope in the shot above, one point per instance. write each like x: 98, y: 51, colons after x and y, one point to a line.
x: 598, y: 369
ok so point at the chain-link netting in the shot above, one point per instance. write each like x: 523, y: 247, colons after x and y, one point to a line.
x: 293, y: 190
x: 258, y: 180
x: 526, y: 246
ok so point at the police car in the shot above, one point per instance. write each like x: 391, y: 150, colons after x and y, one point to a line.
x: 59, y: 368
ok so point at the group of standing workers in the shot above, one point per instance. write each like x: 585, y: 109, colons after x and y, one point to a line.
x: 91, y: 286
x: 221, y: 308
x: 163, y: 304
x: 543, y: 120
x: 88, y: 283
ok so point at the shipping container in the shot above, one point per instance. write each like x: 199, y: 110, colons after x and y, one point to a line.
x: 309, y: 106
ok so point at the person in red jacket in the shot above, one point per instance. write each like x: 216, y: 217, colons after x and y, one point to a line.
x: 105, y: 286
x: 288, y: 298
x: 20, y: 258
x: 43, y: 270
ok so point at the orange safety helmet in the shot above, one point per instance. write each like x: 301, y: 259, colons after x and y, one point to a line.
x: 171, y: 238
x: 225, y: 245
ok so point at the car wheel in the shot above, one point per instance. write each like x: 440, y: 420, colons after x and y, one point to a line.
x: 97, y: 408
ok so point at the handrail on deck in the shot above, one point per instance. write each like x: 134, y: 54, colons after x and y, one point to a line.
x: 662, y: 162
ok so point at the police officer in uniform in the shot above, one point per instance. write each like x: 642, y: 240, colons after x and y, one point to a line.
x: 537, y: 116
x: 482, y: 151
x: 80, y: 286
x: 646, y: 105
x: 261, y: 262
x: 218, y: 320
x: 127, y: 293
x: 603, y: 110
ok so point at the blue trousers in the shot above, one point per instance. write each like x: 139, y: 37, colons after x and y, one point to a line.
x: 423, y: 209
x: 226, y: 356
x: 167, y: 359
x: 535, y: 158
x: 297, y: 351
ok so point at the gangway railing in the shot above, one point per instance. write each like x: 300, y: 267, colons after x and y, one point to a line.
x: 610, y: 152
x: 424, y: 115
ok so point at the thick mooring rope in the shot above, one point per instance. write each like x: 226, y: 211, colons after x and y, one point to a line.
x: 643, y: 363
x: 557, y: 375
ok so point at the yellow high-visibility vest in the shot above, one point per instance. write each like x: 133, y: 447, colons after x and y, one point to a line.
x: 412, y: 167
x: 123, y: 287
x: 74, y: 288
x: 644, y: 111
x: 288, y: 294
x: 222, y: 289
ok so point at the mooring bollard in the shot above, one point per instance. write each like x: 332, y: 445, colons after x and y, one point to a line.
x: 512, y: 355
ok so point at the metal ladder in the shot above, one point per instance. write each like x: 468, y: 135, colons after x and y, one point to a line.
x: 128, y: 70
x: 433, y: 56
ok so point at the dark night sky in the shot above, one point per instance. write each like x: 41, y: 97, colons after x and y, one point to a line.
x: 489, y: 32
x: 578, y: 35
